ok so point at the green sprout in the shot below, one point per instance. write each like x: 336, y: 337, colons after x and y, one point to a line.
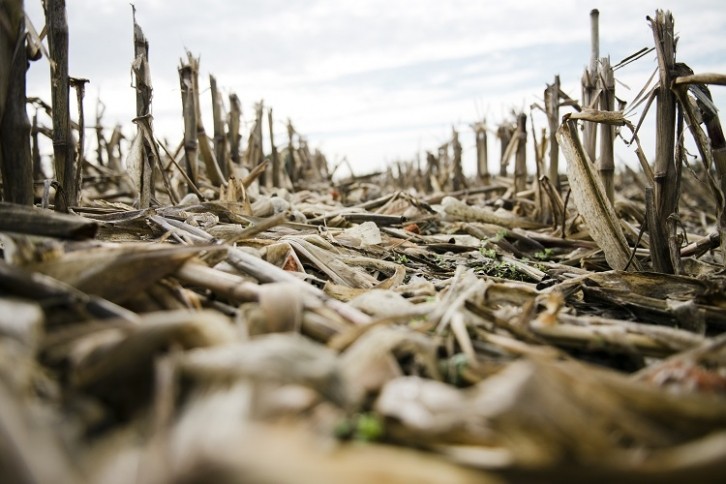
x: 364, y: 427
x: 369, y: 427
x: 401, y: 259
x: 544, y: 254
x: 489, y: 253
x: 500, y: 235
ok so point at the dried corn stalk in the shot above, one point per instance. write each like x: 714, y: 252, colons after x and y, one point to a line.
x: 592, y: 202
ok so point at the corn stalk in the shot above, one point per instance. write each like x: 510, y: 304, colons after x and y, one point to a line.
x: 15, y: 160
x: 667, y: 172
x: 55, y: 15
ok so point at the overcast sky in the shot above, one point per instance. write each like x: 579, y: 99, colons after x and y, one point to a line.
x: 373, y: 80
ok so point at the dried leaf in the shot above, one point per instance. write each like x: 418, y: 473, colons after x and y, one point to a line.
x: 116, y: 273
x: 135, y: 162
x: 458, y: 210
x: 591, y: 201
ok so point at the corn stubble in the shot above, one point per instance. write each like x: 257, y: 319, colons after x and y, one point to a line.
x: 208, y: 312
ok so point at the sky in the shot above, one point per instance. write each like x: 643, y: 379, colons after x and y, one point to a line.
x: 373, y: 81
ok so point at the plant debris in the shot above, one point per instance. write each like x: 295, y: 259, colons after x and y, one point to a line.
x: 251, y: 319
